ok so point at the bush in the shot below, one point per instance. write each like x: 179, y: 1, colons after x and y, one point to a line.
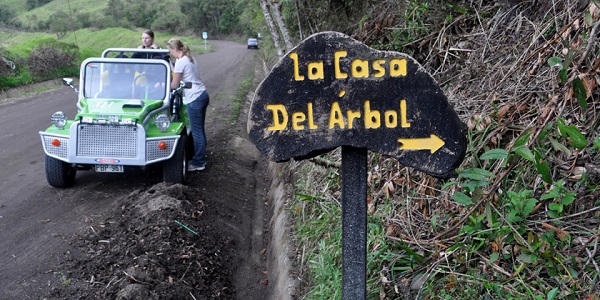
x: 13, y: 71
x: 31, y: 4
x: 6, y: 14
x: 60, y: 23
x: 7, y: 63
x: 53, y: 59
x: 169, y: 21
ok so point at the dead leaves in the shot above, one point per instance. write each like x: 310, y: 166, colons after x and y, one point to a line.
x: 561, y: 234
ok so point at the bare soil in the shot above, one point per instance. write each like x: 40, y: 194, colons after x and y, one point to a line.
x: 138, y: 238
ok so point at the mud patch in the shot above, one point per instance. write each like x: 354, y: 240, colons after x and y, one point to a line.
x: 156, y: 245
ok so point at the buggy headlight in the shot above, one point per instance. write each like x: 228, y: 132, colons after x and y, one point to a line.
x: 59, y: 119
x: 162, y: 122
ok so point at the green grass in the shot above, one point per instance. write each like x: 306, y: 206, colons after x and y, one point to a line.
x: 318, y: 226
x: 240, y: 97
x: 18, y: 6
x: 98, y: 40
x: 508, y: 242
x: 44, y: 12
x: 89, y: 41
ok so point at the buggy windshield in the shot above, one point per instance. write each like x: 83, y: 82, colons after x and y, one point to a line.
x: 125, y: 80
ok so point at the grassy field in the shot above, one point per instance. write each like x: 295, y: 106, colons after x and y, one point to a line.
x: 19, y: 6
x: 90, y: 40
x: 42, y: 13
x: 90, y: 43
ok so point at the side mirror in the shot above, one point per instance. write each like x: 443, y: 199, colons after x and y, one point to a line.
x: 69, y: 82
x: 186, y: 85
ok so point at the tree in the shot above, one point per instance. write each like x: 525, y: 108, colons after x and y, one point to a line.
x: 6, y: 14
x: 115, y: 8
x: 60, y: 23
x: 169, y: 20
x: 219, y: 16
x: 276, y: 11
x: 266, y: 8
x: 31, y: 4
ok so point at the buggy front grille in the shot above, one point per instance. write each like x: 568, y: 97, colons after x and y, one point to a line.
x: 61, y: 150
x: 107, y: 141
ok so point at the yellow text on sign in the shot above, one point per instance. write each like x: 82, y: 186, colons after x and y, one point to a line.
x: 360, y: 68
x: 372, y: 119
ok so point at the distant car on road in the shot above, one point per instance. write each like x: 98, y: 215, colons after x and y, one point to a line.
x: 252, y: 43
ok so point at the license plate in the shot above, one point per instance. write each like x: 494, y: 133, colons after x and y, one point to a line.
x: 109, y: 168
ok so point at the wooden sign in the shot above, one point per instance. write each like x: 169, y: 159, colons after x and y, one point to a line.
x: 333, y: 91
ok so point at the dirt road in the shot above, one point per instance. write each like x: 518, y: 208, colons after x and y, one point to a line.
x: 128, y: 236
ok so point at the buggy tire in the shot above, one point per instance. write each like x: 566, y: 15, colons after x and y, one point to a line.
x: 59, y: 174
x: 175, y: 168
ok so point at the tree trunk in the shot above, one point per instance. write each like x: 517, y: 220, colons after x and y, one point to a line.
x: 276, y: 11
x: 272, y: 28
x: 298, y: 19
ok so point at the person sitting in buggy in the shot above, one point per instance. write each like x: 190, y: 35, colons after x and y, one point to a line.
x: 116, y: 81
x: 148, y: 43
x: 146, y: 80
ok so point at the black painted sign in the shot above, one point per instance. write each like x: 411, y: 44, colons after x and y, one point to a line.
x: 333, y: 91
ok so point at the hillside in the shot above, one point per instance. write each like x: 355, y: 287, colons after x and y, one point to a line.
x: 521, y: 220
x: 18, y: 6
x: 42, y: 13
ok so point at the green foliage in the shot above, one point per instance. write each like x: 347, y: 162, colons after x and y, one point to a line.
x: 169, y: 20
x: 60, y: 23
x: 6, y: 14
x: 520, y: 205
x: 53, y: 59
x: 573, y: 136
x: 17, y: 6
x: 21, y: 78
x: 561, y: 196
x: 40, y: 17
x: 251, y: 19
x: 88, y: 43
x: 215, y: 16
x: 321, y: 229
x: 240, y: 97
x: 414, y: 27
x: 28, y: 70
x: 31, y: 4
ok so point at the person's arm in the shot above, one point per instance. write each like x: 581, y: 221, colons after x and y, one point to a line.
x: 176, y: 80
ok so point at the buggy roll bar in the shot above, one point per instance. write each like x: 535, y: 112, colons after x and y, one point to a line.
x: 106, y: 52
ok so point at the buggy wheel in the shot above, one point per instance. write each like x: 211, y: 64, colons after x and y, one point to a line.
x: 175, y: 169
x: 59, y: 173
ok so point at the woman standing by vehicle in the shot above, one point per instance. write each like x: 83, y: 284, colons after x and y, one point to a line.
x: 196, y: 98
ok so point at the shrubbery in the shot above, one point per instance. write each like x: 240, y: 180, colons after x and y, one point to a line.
x: 49, y: 59
x: 11, y: 70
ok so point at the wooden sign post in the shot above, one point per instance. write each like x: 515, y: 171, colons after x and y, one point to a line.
x: 332, y: 91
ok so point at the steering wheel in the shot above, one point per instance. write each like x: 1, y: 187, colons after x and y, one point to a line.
x: 148, y: 88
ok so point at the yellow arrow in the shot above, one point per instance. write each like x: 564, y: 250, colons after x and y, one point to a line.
x: 432, y: 143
